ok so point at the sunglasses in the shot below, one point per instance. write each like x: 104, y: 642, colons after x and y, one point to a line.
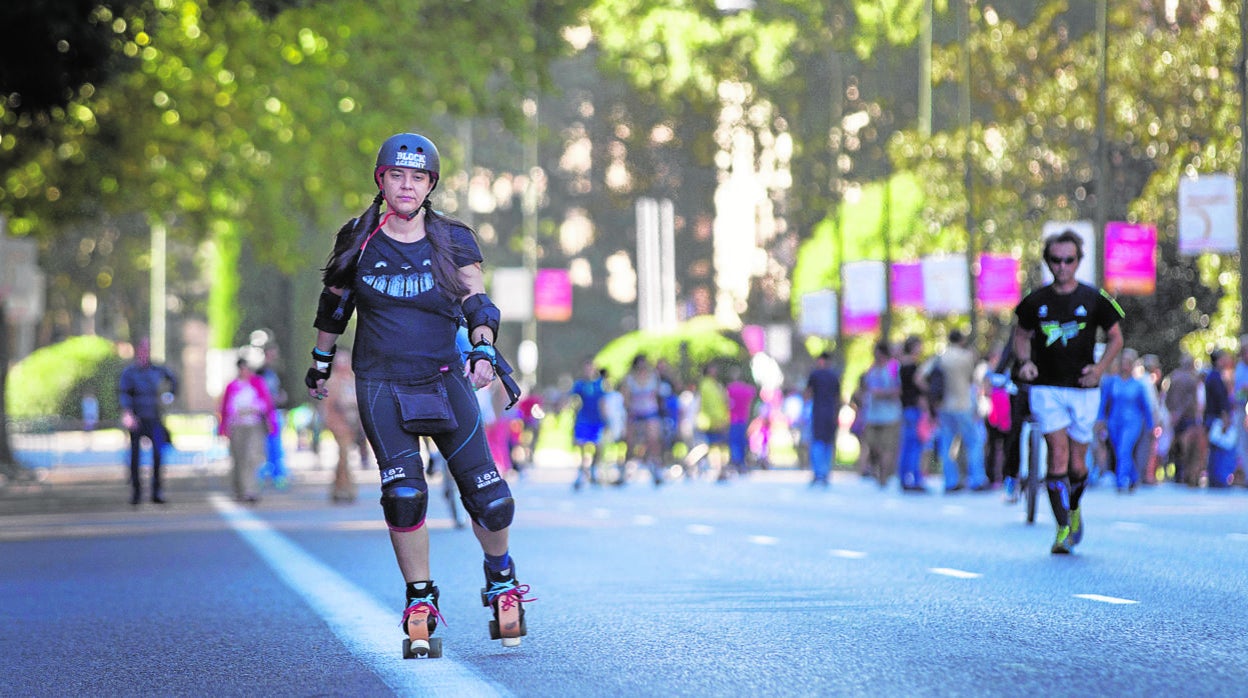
x: 1061, y: 260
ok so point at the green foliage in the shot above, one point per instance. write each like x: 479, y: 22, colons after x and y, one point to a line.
x: 51, y: 381
x: 691, y: 345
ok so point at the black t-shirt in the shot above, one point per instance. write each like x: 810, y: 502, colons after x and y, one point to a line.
x: 910, y: 391
x: 1064, y: 326
x: 405, y: 325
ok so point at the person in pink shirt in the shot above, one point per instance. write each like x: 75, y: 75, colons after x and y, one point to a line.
x: 247, y: 418
x: 741, y: 397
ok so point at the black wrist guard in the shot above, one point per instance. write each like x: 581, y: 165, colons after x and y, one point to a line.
x: 333, y: 312
x: 480, y: 311
x: 322, y: 366
x: 482, y: 351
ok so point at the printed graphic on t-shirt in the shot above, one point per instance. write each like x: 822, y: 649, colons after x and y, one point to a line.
x: 407, y: 282
x: 1060, y: 331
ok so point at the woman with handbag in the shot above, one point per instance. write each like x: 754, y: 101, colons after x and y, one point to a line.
x: 412, y: 272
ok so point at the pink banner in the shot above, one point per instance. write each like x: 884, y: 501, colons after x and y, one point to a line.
x: 998, y: 287
x: 552, y: 295
x: 754, y: 337
x: 1130, y: 258
x: 906, y: 285
x: 863, y: 323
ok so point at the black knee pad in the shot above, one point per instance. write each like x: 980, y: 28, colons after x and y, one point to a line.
x: 497, y: 514
x: 488, y: 498
x: 404, y: 507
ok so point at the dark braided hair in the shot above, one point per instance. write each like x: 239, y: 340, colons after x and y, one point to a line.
x: 339, y: 270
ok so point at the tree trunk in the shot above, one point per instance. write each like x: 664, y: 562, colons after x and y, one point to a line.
x: 8, y: 465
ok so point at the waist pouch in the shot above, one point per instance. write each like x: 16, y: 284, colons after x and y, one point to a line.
x: 425, y: 407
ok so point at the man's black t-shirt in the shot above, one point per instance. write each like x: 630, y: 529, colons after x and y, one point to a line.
x: 1065, y: 328
x: 406, y: 324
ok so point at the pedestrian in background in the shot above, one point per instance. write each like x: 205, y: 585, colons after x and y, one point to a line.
x: 247, y: 416
x: 1127, y: 416
x: 913, y: 405
x: 274, y: 469
x: 144, y: 389
x: 742, y: 396
x: 1239, y: 398
x: 588, y: 424
x: 1184, y: 401
x: 340, y: 413
x: 643, y: 400
x: 1155, y: 442
x: 823, y: 392
x: 882, y: 417
x: 713, y: 417
x: 1055, y: 343
x: 1220, y: 409
x: 959, y: 420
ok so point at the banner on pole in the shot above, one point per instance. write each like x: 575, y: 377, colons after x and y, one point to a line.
x: 1130, y: 259
x: 945, y: 285
x: 1207, y: 214
x: 552, y: 295
x: 865, y: 301
x: 997, y: 287
x: 906, y: 285
x: 818, y: 317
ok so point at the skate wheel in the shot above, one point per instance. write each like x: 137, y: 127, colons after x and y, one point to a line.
x: 511, y: 642
x: 419, y: 648
x: 435, y: 647
x: 485, y: 600
x: 494, y: 634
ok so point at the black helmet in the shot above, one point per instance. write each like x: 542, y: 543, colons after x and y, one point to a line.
x: 408, y: 150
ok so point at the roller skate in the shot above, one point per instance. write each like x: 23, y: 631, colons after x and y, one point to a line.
x: 420, y: 618
x: 506, y: 598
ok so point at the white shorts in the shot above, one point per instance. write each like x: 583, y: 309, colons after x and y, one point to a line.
x: 1072, y: 409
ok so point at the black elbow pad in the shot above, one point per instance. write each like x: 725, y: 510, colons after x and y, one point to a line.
x: 480, y: 311
x: 333, y: 312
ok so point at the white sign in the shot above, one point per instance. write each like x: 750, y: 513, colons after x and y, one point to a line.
x: 1207, y: 214
x: 863, y: 284
x: 513, y: 293
x: 1085, y: 230
x: 946, y: 285
x: 818, y: 317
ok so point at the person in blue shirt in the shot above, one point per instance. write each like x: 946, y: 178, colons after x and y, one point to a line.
x: 1126, y: 413
x: 587, y: 428
x: 143, y: 390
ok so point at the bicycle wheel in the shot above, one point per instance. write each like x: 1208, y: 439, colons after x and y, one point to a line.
x: 1035, y: 440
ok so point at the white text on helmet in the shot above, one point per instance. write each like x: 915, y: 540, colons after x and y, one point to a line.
x: 410, y: 159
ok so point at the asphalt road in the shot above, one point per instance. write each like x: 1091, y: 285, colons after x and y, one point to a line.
x: 760, y: 587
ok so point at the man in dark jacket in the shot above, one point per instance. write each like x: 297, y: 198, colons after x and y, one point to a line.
x: 143, y: 388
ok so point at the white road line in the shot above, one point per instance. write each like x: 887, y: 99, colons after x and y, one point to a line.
x: 700, y: 529
x: 1237, y: 536
x: 848, y: 554
x: 600, y: 513
x: 369, y: 631
x: 644, y: 520
x: 1127, y: 526
x: 764, y: 540
x: 957, y: 574
x: 1105, y: 599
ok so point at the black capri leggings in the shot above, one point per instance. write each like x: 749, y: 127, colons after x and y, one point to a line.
x: 467, y: 453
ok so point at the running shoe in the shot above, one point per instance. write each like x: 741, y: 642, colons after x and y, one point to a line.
x: 1061, y: 544
x: 1076, y: 528
x: 1011, y: 490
